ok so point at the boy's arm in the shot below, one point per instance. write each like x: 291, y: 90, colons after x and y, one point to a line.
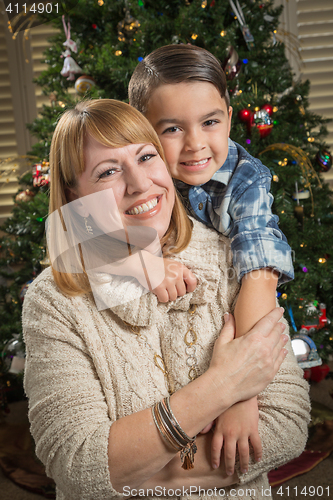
x: 166, y: 278
x: 239, y: 424
x: 257, y: 297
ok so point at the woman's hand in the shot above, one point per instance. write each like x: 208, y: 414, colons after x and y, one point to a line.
x: 243, y: 367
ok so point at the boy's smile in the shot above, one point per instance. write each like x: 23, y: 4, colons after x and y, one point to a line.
x: 193, y: 124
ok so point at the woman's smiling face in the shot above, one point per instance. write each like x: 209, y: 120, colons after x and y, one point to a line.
x: 141, y: 185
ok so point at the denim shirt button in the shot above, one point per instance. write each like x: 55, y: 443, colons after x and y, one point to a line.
x: 200, y: 206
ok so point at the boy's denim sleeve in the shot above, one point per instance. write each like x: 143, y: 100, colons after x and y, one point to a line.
x: 256, y: 239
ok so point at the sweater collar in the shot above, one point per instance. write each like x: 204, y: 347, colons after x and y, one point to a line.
x: 145, y: 310
x: 132, y: 304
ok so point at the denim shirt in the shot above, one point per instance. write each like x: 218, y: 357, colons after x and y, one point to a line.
x: 237, y: 202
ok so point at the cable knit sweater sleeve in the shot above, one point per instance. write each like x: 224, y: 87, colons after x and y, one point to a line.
x: 67, y: 408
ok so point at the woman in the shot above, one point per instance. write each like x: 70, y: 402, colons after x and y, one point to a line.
x: 92, y: 376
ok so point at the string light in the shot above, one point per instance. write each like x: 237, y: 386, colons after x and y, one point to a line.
x: 194, y: 36
x: 118, y: 52
x: 284, y: 296
x: 322, y: 260
x: 223, y: 33
x: 100, y: 2
x: 275, y: 108
x: 275, y: 178
x: 204, y: 4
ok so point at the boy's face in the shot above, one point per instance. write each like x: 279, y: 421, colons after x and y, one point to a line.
x: 193, y: 124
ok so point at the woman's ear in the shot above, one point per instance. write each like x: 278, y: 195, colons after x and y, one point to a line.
x: 79, y: 207
x: 71, y: 194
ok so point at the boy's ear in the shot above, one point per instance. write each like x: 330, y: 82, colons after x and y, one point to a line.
x: 229, y: 118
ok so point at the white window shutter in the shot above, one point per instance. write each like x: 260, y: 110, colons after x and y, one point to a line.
x: 20, y: 100
x: 8, y: 141
x: 310, y: 24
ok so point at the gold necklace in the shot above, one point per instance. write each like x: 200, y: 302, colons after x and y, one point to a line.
x: 190, y: 340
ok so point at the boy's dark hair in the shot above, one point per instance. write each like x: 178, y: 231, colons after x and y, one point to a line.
x: 174, y: 64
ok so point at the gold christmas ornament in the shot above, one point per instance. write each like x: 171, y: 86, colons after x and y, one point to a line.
x: 84, y: 84
x: 24, y: 196
x: 128, y: 27
x: 303, y: 161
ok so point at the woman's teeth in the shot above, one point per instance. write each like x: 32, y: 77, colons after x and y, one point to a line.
x: 145, y: 207
x: 190, y: 163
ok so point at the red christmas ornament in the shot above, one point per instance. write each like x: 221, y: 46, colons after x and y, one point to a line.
x: 318, y: 373
x: 264, y: 130
x: 94, y: 26
x: 41, y: 174
x: 245, y: 115
x: 268, y: 108
x: 260, y: 118
x: 316, y: 324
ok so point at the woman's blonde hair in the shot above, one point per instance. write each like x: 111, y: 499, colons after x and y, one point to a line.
x: 114, y: 124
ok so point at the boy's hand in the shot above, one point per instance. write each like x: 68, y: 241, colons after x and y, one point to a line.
x: 234, y: 428
x: 178, y: 280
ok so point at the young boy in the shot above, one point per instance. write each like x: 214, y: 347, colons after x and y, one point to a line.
x: 182, y: 91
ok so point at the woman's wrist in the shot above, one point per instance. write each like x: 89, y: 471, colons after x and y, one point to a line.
x: 200, y: 402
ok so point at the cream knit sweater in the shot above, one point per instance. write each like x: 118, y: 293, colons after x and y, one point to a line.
x: 85, y: 369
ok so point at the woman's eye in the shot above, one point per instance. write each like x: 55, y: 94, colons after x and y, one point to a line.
x: 146, y: 157
x: 108, y: 173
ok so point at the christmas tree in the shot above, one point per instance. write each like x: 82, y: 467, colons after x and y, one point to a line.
x: 270, y: 119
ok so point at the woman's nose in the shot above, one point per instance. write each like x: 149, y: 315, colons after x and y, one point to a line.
x: 194, y: 141
x: 138, y: 180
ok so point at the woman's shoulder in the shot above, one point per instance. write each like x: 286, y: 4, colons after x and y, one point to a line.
x: 44, y: 298
x: 43, y: 284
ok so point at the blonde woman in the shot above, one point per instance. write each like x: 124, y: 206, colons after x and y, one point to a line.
x: 118, y: 396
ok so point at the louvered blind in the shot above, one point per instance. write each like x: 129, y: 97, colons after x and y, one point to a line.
x: 315, y: 34
x: 8, y: 141
x: 20, y: 99
x: 39, y: 42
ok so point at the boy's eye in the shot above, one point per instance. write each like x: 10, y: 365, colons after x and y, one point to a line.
x: 171, y: 130
x: 210, y: 122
